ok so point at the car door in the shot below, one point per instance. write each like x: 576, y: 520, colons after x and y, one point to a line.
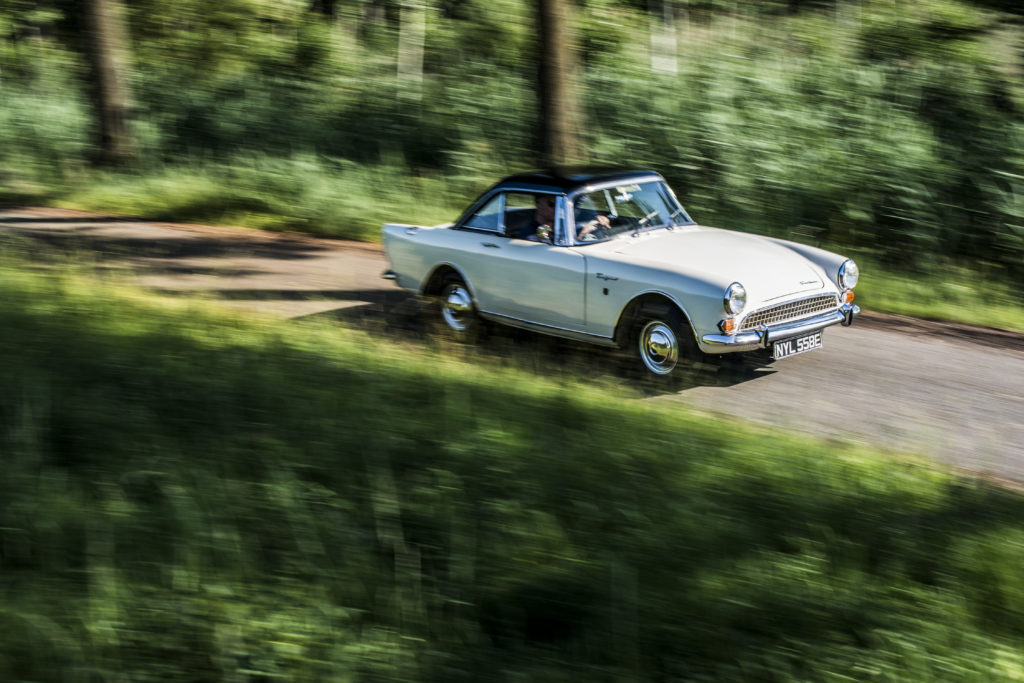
x: 536, y: 282
x: 527, y: 280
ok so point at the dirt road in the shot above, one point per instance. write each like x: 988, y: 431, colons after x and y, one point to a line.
x: 949, y: 392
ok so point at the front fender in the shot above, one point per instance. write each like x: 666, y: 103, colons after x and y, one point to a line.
x: 611, y: 302
x: 827, y: 261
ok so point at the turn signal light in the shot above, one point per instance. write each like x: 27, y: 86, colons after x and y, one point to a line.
x: 848, y: 296
x: 727, y: 326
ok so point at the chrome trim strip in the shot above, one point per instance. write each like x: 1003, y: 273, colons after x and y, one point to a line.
x: 553, y: 330
x: 722, y: 343
x: 501, y: 214
x: 759, y: 339
x: 613, y: 183
x: 389, y: 275
x: 559, y: 235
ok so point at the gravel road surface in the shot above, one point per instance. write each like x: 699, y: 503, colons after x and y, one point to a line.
x: 949, y: 392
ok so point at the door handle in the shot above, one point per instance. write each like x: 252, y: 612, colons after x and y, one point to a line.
x: 491, y: 245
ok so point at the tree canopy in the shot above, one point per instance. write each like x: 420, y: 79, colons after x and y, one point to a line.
x: 895, y: 127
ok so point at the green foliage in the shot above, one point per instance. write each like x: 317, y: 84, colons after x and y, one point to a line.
x: 922, y: 30
x: 43, y: 121
x: 300, y: 194
x: 952, y: 294
x: 797, y: 136
x: 192, y: 497
x: 892, y: 128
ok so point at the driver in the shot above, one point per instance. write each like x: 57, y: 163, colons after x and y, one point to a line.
x: 588, y: 231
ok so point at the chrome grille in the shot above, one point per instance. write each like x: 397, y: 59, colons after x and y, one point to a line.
x: 794, y: 310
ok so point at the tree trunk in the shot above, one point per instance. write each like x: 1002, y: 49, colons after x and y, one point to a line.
x: 327, y: 8
x: 106, y: 45
x: 664, y: 36
x: 412, y: 35
x: 559, y: 111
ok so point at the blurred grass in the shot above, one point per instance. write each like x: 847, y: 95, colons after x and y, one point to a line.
x: 957, y: 295
x: 189, y: 494
x: 306, y: 194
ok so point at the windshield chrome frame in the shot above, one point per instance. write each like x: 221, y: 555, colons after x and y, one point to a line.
x: 570, y: 226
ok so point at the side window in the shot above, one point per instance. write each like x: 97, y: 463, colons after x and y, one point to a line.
x: 488, y: 217
x: 519, y: 210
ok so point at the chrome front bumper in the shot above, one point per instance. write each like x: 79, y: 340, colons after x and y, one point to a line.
x: 751, y: 340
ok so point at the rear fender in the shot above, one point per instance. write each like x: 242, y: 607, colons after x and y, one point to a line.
x: 439, y: 275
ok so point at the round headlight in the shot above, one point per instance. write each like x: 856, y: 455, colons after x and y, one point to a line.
x: 735, y: 298
x: 849, y: 274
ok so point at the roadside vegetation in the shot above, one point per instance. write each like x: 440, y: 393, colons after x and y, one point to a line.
x: 890, y: 130
x: 957, y: 294
x: 283, y: 501
x: 192, y: 494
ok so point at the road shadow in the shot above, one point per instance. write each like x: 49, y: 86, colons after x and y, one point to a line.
x: 186, y: 269
x: 397, y: 317
x: 371, y: 297
x: 68, y: 220
x: 87, y: 237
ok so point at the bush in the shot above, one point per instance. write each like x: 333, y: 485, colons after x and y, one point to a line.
x: 889, y: 127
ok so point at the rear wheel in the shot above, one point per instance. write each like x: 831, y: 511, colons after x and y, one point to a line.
x: 458, y: 312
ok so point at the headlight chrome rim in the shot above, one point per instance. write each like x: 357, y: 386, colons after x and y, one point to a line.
x: 849, y: 274
x: 735, y: 299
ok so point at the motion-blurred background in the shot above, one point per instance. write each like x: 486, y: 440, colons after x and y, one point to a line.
x: 892, y: 125
x: 188, y: 494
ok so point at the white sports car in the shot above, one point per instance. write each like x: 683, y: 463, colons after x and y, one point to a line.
x: 612, y: 258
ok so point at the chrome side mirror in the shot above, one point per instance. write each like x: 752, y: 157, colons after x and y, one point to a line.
x: 544, y: 233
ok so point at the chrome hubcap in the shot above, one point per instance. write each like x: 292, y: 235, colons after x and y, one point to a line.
x: 456, y: 307
x: 659, y: 348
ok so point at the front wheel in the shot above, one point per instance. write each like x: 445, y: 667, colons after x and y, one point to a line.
x: 663, y: 344
x: 658, y: 346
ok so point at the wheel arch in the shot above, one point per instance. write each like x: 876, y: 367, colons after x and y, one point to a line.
x: 652, y: 302
x: 441, y: 273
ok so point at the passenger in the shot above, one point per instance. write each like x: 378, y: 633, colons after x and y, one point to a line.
x: 543, y: 215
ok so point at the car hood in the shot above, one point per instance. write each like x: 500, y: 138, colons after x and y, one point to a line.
x: 766, y: 269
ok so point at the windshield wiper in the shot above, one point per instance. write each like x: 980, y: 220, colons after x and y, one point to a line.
x: 680, y: 212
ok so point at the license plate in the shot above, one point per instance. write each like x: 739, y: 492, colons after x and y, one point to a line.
x: 791, y: 347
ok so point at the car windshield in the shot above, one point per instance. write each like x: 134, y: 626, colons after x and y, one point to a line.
x: 626, y: 208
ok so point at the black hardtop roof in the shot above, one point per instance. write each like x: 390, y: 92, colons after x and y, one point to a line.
x: 566, y: 179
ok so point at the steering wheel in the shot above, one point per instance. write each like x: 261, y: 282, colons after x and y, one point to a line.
x: 599, y: 232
